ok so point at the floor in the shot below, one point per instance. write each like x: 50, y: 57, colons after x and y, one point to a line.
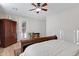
x: 12, y: 50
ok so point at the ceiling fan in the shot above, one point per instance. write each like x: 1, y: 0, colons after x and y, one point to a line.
x: 39, y: 7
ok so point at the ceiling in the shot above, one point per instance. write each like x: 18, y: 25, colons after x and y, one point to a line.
x: 22, y: 9
x: 61, y: 7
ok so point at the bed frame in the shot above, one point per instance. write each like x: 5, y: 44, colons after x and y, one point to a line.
x: 28, y: 42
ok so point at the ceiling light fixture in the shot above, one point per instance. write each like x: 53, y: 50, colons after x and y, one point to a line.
x: 39, y: 7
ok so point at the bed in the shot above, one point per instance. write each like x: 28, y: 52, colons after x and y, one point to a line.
x: 52, y: 48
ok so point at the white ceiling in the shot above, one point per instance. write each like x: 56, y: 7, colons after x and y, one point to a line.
x: 60, y: 7
x: 23, y: 9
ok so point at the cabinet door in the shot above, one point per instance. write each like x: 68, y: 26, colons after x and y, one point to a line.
x: 2, y: 33
x: 13, y: 31
x: 7, y: 29
x: 10, y: 32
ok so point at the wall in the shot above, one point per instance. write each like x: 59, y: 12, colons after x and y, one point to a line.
x: 37, y: 26
x: 32, y: 24
x: 65, y: 24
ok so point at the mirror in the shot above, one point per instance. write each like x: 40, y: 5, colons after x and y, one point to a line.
x: 24, y: 29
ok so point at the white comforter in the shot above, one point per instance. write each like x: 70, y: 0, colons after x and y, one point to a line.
x: 52, y: 48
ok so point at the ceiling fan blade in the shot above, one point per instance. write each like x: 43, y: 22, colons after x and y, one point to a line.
x: 44, y: 9
x: 31, y: 9
x: 45, y: 4
x: 33, y: 4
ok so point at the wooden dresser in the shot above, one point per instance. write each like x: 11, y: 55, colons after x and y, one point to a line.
x: 7, y: 32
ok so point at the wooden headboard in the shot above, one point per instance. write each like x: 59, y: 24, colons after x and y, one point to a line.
x: 37, y: 40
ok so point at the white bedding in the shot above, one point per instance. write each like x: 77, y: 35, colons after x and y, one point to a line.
x: 52, y: 48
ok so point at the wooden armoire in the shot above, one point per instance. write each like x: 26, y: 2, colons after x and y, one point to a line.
x: 8, y: 34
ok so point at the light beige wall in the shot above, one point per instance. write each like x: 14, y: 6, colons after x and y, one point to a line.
x: 65, y: 24
x: 32, y: 24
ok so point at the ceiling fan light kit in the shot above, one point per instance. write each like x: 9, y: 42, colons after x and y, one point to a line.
x: 38, y: 10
